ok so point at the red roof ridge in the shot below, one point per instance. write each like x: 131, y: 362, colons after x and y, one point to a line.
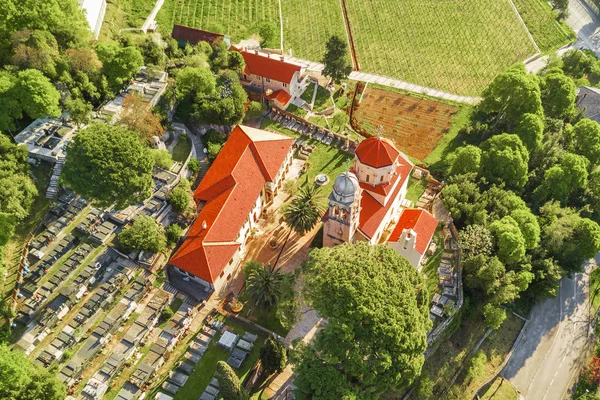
x: 258, y: 63
x: 420, y: 221
x: 377, y: 152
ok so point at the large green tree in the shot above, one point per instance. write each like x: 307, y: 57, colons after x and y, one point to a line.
x: 376, y: 305
x: 509, y: 240
x: 464, y: 160
x: 273, y: 356
x: 109, y: 165
x: 561, y: 180
x: 17, y: 191
x: 336, y: 60
x: 504, y: 161
x: 20, y: 379
x: 586, y: 140
x: 530, y: 130
x: 264, y: 284
x: 558, y: 94
x: 229, y: 384
x: 119, y: 64
x: 145, y: 234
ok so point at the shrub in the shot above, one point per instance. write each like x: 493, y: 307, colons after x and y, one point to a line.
x: 174, y: 233
x: 145, y: 234
x: 273, y: 356
x: 477, y: 365
x: 255, y: 109
x: 229, y: 383
x: 179, y: 198
x: 194, y: 165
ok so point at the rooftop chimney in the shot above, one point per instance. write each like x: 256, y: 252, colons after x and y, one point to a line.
x: 255, y: 51
x: 282, y: 58
x: 204, y: 225
x: 269, y: 55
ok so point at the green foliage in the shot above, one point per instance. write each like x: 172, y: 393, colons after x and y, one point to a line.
x: 487, y: 279
x: 35, y: 49
x: 377, y: 311
x: 509, y: 240
x: 528, y: 225
x: 194, y: 165
x: 476, y: 240
x: 220, y: 56
x: 119, y: 64
x: 179, y: 198
x: 290, y: 187
x: 586, y: 140
x: 7, y: 228
x: 512, y: 94
x: 530, y: 130
x: 560, y: 181
x: 273, y: 356
x: 504, y: 160
x: 263, y: 284
x: 229, y: 383
x: 79, y: 110
x: 145, y: 234
x: 558, y: 95
x: 236, y: 62
x: 213, y: 141
x: 337, y: 64
x: 194, y: 83
x: 576, y: 63
x: 465, y: 160
x: 304, y: 211
x: 255, y: 109
x: 494, y: 316
x: 166, y: 314
x: 476, y: 366
x: 425, y: 387
x: 162, y: 158
x: 173, y: 233
x: 108, y: 165
x: 17, y: 191
x: 269, y: 34
x: 153, y: 52
x: 23, y: 380
x: 37, y: 95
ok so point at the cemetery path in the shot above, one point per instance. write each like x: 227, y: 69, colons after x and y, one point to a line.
x: 556, y: 342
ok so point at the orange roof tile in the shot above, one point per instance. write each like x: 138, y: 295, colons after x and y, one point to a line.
x: 271, y: 67
x: 376, y: 152
x: 420, y: 221
x: 281, y: 96
x: 250, y: 158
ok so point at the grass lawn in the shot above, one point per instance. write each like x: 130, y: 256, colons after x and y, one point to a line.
x: 204, y: 370
x: 456, y: 46
x: 297, y: 110
x: 322, y: 100
x: 430, y: 268
x: 541, y: 21
x: 415, y: 189
x: 323, y: 160
x: 267, y: 318
x: 237, y: 18
x: 121, y: 14
x: 308, y: 24
x: 499, y: 389
x: 448, y: 142
x: 182, y: 149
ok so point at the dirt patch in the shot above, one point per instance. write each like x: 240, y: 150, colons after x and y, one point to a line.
x: 415, y: 125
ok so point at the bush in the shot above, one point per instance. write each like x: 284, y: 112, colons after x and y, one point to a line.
x: 174, y: 233
x: 179, y: 198
x: 162, y: 159
x: 194, y: 165
x: 145, y: 234
x: 494, y: 316
x: 255, y: 109
x: 213, y: 141
x: 166, y: 314
x: 273, y: 356
x: 229, y: 383
x: 477, y: 366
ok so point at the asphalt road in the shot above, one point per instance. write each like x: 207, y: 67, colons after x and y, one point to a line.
x: 545, y: 364
x: 585, y: 24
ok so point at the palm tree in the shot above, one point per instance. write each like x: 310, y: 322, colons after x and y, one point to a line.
x: 263, y: 284
x: 305, y: 210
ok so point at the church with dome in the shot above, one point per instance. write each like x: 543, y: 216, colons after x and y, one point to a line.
x: 367, y: 202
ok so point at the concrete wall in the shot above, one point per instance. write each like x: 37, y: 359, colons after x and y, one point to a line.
x: 405, y: 246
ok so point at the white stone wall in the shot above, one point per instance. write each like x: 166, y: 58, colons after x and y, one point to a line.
x: 406, y: 248
x: 220, y: 284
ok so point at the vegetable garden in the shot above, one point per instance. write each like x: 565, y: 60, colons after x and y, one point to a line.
x: 452, y: 45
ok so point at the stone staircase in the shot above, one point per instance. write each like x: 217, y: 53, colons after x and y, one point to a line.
x: 52, y: 190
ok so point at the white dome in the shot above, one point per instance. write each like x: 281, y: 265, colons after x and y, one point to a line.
x: 345, y: 187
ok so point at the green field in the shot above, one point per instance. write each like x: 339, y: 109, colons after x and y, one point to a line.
x: 236, y: 18
x: 452, y: 45
x: 548, y: 33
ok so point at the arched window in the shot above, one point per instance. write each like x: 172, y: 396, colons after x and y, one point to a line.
x: 336, y: 211
x: 343, y: 214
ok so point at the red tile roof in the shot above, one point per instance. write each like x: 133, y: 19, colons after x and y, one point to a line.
x: 376, y: 152
x: 420, y: 221
x: 372, y: 212
x: 281, y: 96
x: 193, y: 35
x: 250, y: 158
x: 269, y: 67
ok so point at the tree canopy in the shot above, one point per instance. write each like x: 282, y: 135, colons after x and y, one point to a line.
x: 108, y: 165
x: 17, y: 191
x: 229, y: 384
x: 273, y: 356
x: 119, y: 64
x: 586, y: 140
x: 145, y: 234
x: 377, y: 309
x: 504, y: 160
x: 336, y: 60
x: 558, y: 94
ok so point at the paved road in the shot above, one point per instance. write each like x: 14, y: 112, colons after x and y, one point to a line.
x: 546, y: 361
x: 585, y: 24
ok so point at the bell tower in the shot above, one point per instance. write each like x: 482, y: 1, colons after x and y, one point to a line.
x: 344, y: 211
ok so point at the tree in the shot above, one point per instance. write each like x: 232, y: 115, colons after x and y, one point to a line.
x: 35, y: 49
x: 530, y: 130
x: 461, y: 197
x: 586, y: 140
x: 425, y: 387
x: 17, y: 191
x: 576, y: 63
x: 236, y: 62
x: 558, y: 95
x: 145, y: 234
x: 38, y: 97
x: 179, y: 198
x: 376, y: 304
x: 528, y: 225
x: 561, y: 7
x: 162, y: 158
x: 269, y: 34
x: 305, y: 210
x: 494, y: 316
x: 79, y: 110
x: 255, y: 109
x: 477, y: 365
x: 273, y: 356
x: 476, y: 240
x: 119, y: 64
x: 509, y: 240
x: 227, y: 106
x: 20, y: 379
x: 193, y: 165
x: 337, y: 65
x: 488, y: 280
x: 263, y: 284
x: 173, y: 233
x: 7, y: 227
x: 229, y: 383
x: 138, y: 117
x: 220, y: 56
x: 512, y: 94
x: 560, y: 181
x: 108, y: 165
x: 193, y: 83
x: 153, y: 51
x: 464, y: 160
x: 504, y: 161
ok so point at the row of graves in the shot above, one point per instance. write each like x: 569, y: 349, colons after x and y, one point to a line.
x: 177, y: 327
x: 127, y: 349
x: 448, y: 282
x: 70, y: 374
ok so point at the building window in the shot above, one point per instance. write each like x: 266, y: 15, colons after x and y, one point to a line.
x: 381, y: 179
x: 245, y: 76
x: 367, y: 178
x: 231, y: 261
x: 284, y: 84
x: 221, y: 274
x: 268, y: 80
x: 229, y: 277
